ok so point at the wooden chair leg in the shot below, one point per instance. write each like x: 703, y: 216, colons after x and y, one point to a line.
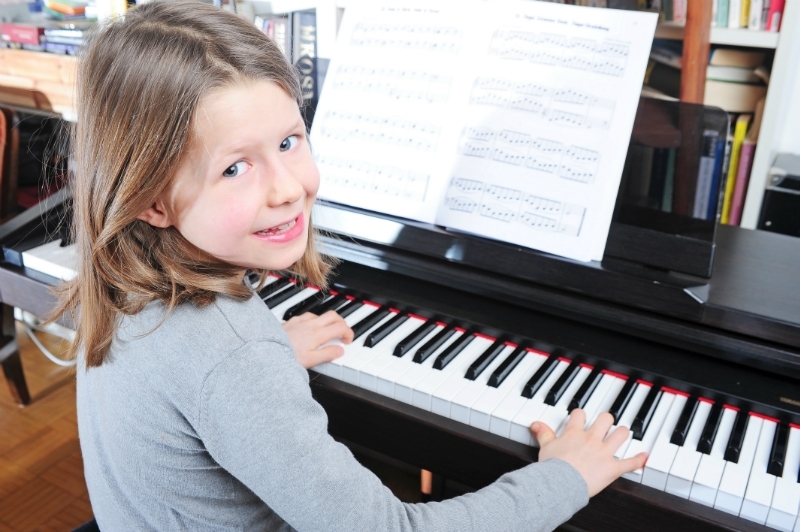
x: 10, y: 359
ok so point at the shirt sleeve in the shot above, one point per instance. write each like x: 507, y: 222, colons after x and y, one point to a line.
x: 258, y: 420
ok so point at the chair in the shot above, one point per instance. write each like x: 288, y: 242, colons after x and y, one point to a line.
x: 89, y: 526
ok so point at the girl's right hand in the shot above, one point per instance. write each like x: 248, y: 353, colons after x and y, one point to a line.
x: 588, y: 451
x: 309, y: 333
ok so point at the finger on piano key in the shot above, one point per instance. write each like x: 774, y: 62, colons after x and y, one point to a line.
x: 302, y: 297
x: 645, y: 414
x: 357, y: 354
x: 384, y: 355
x: 783, y: 512
x: 710, y: 430
x: 305, y: 306
x: 501, y: 417
x: 611, y: 385
x: 461, y: 405
x: 640, y: 392
x: 376, y: 336
x: 480, y: 415
x: 434, y: 343
x: 415, y: 337
x: 734, y: 479
x: 686, y: 462
x: 736, y: 438
x: 533, y: 407
x: 452, y: 351
x: 333, y: 303
x: 622, y: 400
x: 443, y: 395
x: 760, y: 486
x: 663, y: 452
x: 276, y: 299
x: 652, y: 428
x: 555, y: 415
x: 405, y: 383
x: 368, y: 323
x: 361, y: 311
x: 586, y: 390
x: 425, y: 390
x: 384, y: 383
x: 508, y: 365
x: 712, y: 465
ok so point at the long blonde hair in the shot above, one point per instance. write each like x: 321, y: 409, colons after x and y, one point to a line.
x: 140, y: 81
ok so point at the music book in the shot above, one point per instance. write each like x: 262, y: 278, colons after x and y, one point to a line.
x: 510, y: 120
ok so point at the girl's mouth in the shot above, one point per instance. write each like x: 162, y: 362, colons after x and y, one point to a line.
x: 283, y: 232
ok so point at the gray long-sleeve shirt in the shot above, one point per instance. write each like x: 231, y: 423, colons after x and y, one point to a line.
x: 205, y: 421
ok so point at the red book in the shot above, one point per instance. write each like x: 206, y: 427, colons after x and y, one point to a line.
x: 742, y: 179
x: 775, y: 15
x: 21, y: 33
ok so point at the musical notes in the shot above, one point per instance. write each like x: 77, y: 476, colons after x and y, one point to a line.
x: 415, y: 85
x: 562, y: 106
x: 381, y: 181
x: 347, y: 126
x: 407, y: 36
x: 607, y: 57
x: 537, y: 154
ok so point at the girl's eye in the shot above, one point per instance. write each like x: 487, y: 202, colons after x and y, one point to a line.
x: 235, y: 169
x: 289, y: 143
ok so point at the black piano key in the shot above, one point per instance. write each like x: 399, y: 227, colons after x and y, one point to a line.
x: 642, y: 419
x: 433, y: 344
x: 684, y: 420
x: 405, y: 345
x: 561, y: 385
x: 710, y: 430
x: 385, y: 330
x: 452, y: 351
x: 506, y: 367
x: 369, y: 322
x: 622, y: 400
x: 331, y: 304
x: 273, y: 287
x: 585, y: 391
x: 348, y: 309
x: 535, y: 382
x: 777, y: 456
x: 737, y: 437
x: 483, y: 361
x: 276, y: 299
x: 305, y: 305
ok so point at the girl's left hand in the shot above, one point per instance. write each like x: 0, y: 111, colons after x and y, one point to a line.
x: 308, y: 333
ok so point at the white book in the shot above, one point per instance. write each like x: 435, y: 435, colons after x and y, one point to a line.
x: 735, y: 14
x: 510, y: 123
x: 754, y: 21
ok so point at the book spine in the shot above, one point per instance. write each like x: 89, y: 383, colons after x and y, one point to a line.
x: 714, y: 13
x: 679, y: 10
x: 744, y: 13
x: 705, y: 174
x: 734, y: 13
x: 719, y: 168
x: 738, y: 139
x: 668, y: 12
x: 20, y: 34
x: 722, y: 16
x: 306, y: 52
x: 756, y: 6
x: 669, y: 181
x: 742, y: 180
x: 280, y: 32
x: 774, y: 15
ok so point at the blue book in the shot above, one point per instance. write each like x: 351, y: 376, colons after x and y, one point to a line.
x: 714, y: 195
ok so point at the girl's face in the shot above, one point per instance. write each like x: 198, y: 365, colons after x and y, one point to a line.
x: 244, y: 193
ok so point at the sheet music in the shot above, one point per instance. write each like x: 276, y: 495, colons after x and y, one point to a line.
x: 507, y: 119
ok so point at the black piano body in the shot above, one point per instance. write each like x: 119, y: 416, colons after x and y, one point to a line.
x: 733, y: 336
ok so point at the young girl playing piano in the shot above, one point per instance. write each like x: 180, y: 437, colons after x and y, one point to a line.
x: 191, y: 167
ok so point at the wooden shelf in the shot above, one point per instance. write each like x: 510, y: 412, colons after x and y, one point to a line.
x: 733, y: 37
x: 38, y: 80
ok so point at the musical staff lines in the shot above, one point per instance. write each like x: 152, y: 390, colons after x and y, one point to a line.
x: 603, y: 57
x: 514, y: 206
x: 535, y: 153
x: 557, y: 105
x: 436, y: 39
x: 406, y: 85
x: 346, y: 126
x: 383, y: 181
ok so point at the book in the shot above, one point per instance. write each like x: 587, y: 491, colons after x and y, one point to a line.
x: 742, y: 124
x: 735, y: 14
x: 304, y: 51
x: 733, y: 97
x: 674, y: 59
x: 705, y: 174
x: 511, y: 123
x: 719, y: 166
x: 774, y: 15
x: 746, y: 165
x: 669, y: 181
x: 722, y: 56
x: 754, y: 20
x: 744, y: 13
x: 722, y: 14
x: 723, y: 176
x: 21, y: 33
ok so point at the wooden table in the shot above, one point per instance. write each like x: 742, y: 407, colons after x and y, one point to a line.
x: 38, y: 80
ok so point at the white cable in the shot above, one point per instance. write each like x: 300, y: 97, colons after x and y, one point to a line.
x: 54, y: 359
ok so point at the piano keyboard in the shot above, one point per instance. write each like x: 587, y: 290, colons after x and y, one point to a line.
x: 741, y: 462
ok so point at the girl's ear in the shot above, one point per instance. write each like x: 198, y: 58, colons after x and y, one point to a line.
x: 156, y: 215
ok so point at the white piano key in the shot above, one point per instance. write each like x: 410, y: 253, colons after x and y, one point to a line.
x: 629, y: 414
x: 686, y: 462
x: 407, y: 380
x: 709, y: 472
x: 367, y: 374
x: 279, y: 310
x: 603, y: 397
x: 462, y: 403
x: 334, y: 369
x: 761, y: 484
x: 384, y: 381
x: 650, y: 434
x: 424, y: 390
x: 554, y: 416
x: 54, y: 260
x: 356, y: 354
x: 501, y: 416
x: 533, y: 407
x: 663, y: 453
x: 481, y: 412
x: 786, y: 499
x: 449, y: 388
x: 734, y: 479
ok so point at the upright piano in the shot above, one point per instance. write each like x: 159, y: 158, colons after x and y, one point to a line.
x: 687, y: 331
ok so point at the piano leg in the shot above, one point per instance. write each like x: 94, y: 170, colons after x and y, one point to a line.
x: 9, y: 357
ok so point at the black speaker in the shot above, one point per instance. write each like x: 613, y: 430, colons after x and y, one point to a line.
x: 780, y: 211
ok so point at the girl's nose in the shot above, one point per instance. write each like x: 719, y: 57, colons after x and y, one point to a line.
x: 284, y: 187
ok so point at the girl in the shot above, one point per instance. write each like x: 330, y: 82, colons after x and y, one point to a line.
x: 192, y: 166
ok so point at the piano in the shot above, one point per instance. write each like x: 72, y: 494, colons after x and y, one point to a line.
x: 687, y: 332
